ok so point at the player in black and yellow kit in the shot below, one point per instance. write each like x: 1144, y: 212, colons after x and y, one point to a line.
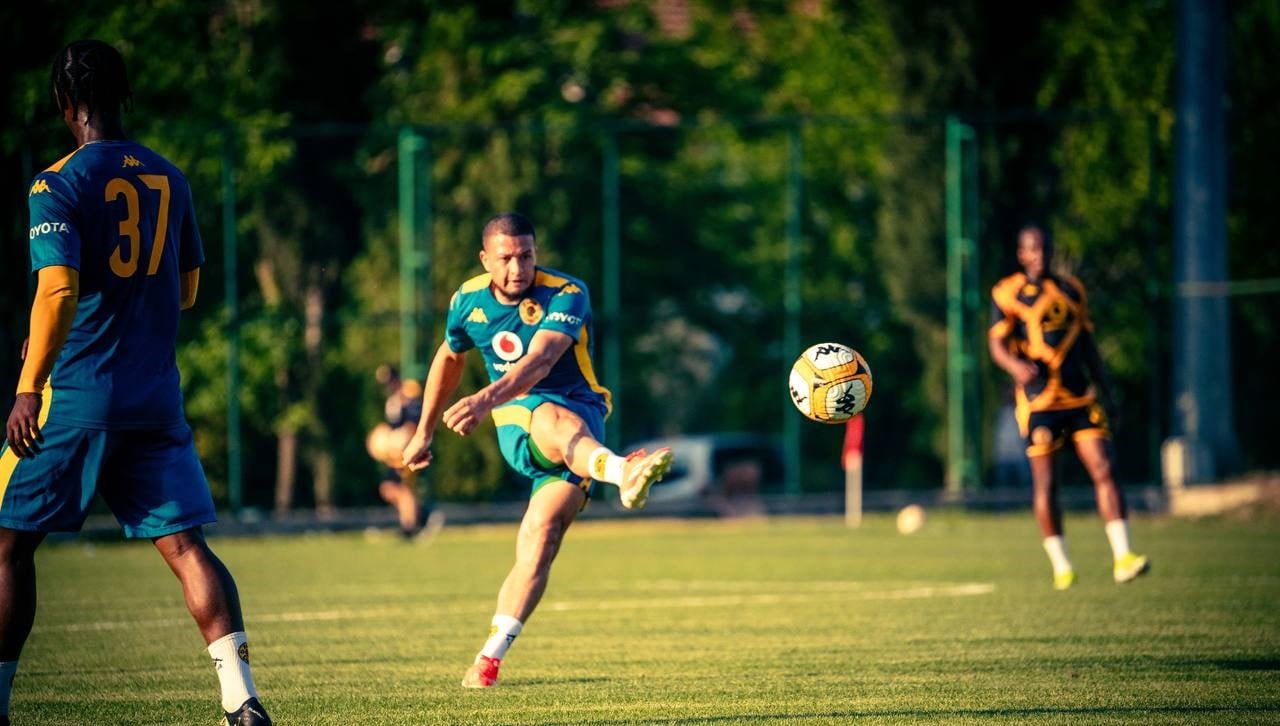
x: 117, y: 254
x: 1041, y: 335
x: 399, y: 485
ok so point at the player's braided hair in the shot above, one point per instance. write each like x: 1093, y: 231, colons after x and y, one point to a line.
x: 511, y: 224
x: 91, y: 73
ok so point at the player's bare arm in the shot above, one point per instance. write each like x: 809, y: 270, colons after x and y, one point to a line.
x: 1023, y: 371
x: 52, y: 313
x: 190, y: 284
x: 442, y: 380
x: 545, y: 349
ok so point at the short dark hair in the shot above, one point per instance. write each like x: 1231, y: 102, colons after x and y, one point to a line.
x: 1046, y: 241
x: 91, y: 73
x: 512, y: 224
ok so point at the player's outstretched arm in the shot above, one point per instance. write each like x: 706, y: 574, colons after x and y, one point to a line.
x: 52, y: 313
x: 442, y: 381
x: 545, y: 349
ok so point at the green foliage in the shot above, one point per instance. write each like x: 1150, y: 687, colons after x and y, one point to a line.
x: 514, y: 100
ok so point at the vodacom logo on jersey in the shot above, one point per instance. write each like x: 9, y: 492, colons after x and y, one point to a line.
x: 508, y: 346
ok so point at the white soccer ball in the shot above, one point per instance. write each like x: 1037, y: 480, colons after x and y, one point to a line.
x: 830, y: 383
x: 910, y: 519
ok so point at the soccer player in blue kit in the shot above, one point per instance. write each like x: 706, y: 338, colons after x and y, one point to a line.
x: 533, y: 327
x: 117, y: 254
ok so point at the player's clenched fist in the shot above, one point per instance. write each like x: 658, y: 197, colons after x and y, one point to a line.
x: 417, y: 455
x: 463, y: 416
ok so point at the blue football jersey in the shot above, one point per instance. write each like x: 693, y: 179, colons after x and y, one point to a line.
x: 121, y: 215
x: 555, y: 301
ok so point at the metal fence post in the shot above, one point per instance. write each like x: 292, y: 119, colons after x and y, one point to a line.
x: 415, y: 249
x: 612, y: 282
x: 962, y: 307
x: 792, y: 304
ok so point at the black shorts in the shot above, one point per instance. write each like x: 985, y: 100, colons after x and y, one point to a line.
x: 1046, y: 431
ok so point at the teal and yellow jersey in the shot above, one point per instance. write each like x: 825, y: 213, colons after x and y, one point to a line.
x: 502, y: 333
x: 121, y: 215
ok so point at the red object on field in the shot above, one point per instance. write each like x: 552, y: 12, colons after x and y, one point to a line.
x: 852, y: 453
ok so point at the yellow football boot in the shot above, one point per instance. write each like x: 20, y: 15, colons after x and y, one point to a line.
x: 1128, y: 568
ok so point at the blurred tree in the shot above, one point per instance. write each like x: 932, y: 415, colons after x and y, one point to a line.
x: 515, y: 97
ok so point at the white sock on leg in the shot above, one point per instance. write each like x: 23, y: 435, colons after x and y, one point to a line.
x: 606, y: 466
x: 1118, y: 536
x: 8, y: 669
x: 1056, y: 548
x: 502, y: 633
x: 230, y: 655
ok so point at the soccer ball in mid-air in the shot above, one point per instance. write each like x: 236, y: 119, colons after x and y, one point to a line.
x: 830, y: 383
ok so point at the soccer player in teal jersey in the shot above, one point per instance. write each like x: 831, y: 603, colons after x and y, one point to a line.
x: 115, y: 246
x: 533, y: 328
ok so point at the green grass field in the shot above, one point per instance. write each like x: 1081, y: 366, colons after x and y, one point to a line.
x: 674, y: 622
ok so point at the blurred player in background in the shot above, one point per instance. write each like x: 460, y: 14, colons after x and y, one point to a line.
x: 533, y: 329
x: 115, y: 246
x: 400, y: 486
x: 1042, y: 336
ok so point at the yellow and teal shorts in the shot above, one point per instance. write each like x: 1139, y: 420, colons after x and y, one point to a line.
x: 519, y: 450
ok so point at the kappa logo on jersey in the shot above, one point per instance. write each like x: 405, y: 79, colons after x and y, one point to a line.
x: 530, y: 311
x: 477, y: 316
x: 130, y: 161
x: 559, y: 317
x: 39, y: 187
x: 45, y: 228
x: 570, y: 289
x: 508, y: 346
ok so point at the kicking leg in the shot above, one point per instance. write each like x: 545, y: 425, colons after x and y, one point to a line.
x: 562, y: 437
x: 214, y: 603
x: 551, y: 511
x: 400, y: 495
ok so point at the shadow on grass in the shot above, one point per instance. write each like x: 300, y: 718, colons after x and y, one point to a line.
x: 1248, y: 664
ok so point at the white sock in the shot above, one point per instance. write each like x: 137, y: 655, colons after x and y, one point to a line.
x: 1118, y: 535
x: 8, y: 669
x: 606, y: 466
x: 1056, y: 548
x: 502, y: 633
x: 230, y: 655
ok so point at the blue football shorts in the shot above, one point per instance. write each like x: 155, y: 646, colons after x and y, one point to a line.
x: 151, y: 480
x: 517, y: 445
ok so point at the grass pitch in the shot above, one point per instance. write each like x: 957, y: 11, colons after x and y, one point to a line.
x: 672, y: 622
